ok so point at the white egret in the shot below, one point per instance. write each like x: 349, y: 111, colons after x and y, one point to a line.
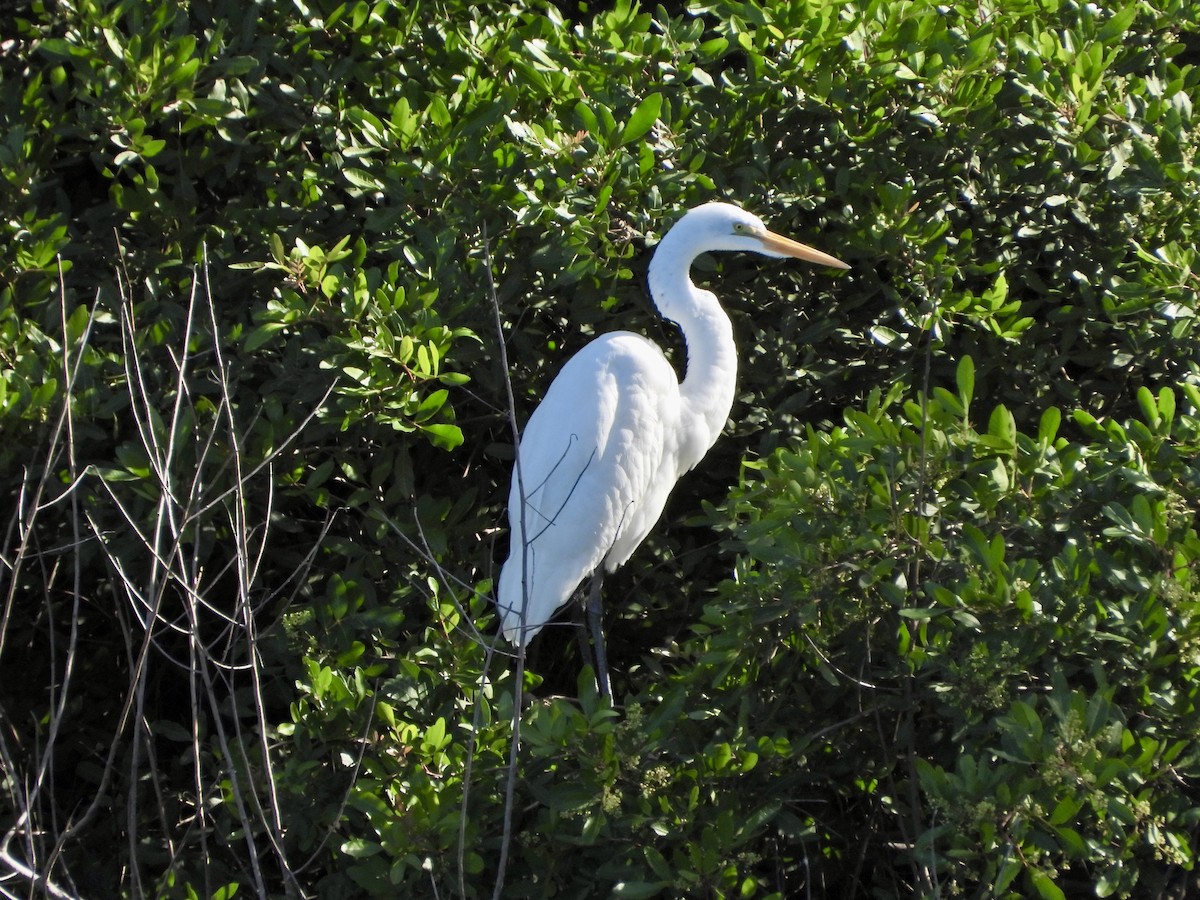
x: 617, y: 428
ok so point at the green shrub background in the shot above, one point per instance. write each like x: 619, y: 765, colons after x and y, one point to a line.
x: 926, y: 621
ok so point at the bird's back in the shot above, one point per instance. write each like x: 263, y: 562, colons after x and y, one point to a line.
x: 593, y: 467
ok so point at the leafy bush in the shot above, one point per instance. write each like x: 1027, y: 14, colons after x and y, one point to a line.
x: 941, y: 637
x: 1017, y: 597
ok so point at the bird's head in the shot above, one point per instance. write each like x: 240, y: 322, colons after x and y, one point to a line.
x: 723, y: 226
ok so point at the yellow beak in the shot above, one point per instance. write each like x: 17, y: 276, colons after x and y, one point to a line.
x: 777, y: 243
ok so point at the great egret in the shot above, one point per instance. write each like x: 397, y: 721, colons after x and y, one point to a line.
x: 617, y: 428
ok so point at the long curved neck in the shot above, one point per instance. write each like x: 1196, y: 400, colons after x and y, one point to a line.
x: 710, y: 379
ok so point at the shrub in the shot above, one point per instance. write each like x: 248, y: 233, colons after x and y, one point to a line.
x: 256, y: 449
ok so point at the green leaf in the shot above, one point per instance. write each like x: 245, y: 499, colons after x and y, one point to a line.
x: 434, y: 737
x: 1009, y: 871
x: 362, y: 179
x: 262, y: 335
x: 444, y: 435
x: 1117, y: 24
x: 430, y: 405
x: 1045, y: 886
x: 1166, y: 408
x: 964, y: 377
x: 1003, y: 427
x: 639, y: 890
x: 360, y: 848
x: 997, y: 293
x: 658, y: 863
x: 1148, y: 406
x: 887, y: 337
x: 1065, y: 810
x: 586, y: 118
x: 351, y: 655
x: 1048, y: 425
x: 438, y: 113
x: 56, y: 48
x: 1072, y: 841
x: 643, y: 118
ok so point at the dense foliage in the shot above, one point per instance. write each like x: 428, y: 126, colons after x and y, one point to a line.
x: 941, y: 637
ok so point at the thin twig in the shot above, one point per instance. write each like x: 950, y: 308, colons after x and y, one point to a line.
x: 60, y: 685
x: 925, y: 880
x: 518, y: 687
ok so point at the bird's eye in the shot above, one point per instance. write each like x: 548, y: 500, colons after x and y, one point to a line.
x: 741, y: 228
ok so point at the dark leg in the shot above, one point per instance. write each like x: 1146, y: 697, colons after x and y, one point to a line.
x: 595, y: 614
x: 580, y: 619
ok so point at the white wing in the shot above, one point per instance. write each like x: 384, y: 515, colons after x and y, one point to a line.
x: 596, y: 466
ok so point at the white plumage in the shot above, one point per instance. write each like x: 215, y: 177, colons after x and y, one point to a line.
x: 617, y: 428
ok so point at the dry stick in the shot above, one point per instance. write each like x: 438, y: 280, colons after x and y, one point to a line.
x: 239, y: 529
x: 170, y: 505
x: 65, y: 421
x: 864, y: 848
x: 164, y: 570
x: 449, y: 582
x: 336, y: 819
x: 161, y: 464
x: 477, y: 714
x: 34, y: 877
x: 301, y: 573
x: 518, y: 688
x: 278, y: 451
x: 140, y: 662
x: 69, y: 375
x: 12, y: 563
x: 239, y: 801
x: 144, y: 600
x: 197, y: 764
x: 24, y: 525
x: 246, y: 576
x: 169, y: 525
x: 202, y: 653
x: 425, y: 552
x: 164, y: 563
x: 246, y: 564
x: 914, y: 798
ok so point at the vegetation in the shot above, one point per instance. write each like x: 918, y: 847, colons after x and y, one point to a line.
x: 926, y: 622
